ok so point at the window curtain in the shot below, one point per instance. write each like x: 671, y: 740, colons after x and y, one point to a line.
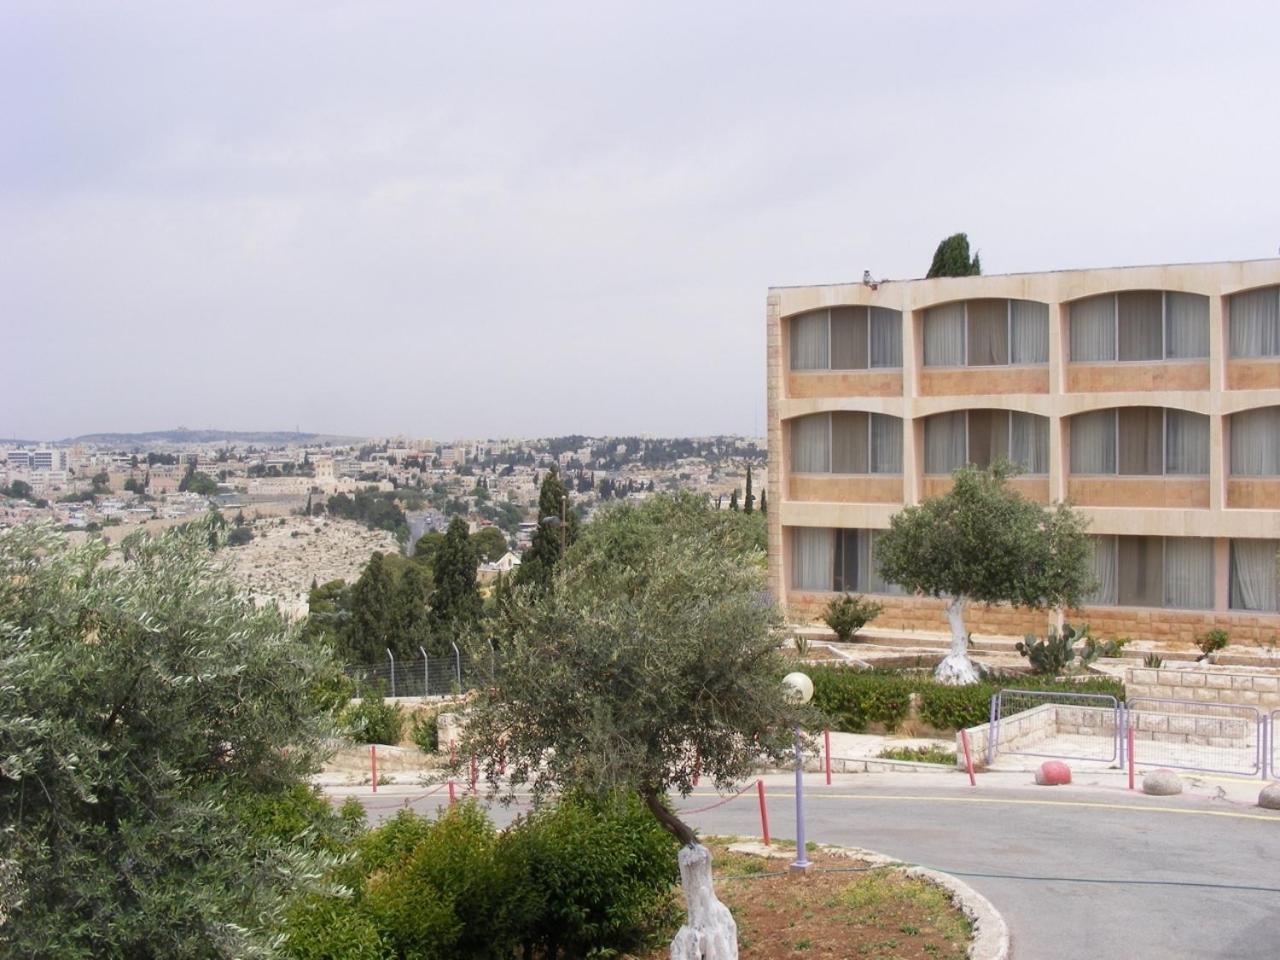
x: 1255, y: 443
x: 1141, y: 441
x: 987, y: 332
x: 1253, y: 575
x: 944, y: 336
x: 1028, y: 332
x: 811, y: 558
x: 886, y: 337
x: 1103, y: 567
x: 849, y: 338
x: 1093, y: 442
x: 1186, y: 443
x: 1188, y: 573
x: 886, y: 444
x: 944, y: 442
x: 1093, y: 328
x: 810, y: 342
x: 875, y: 582
x: 811, y: 444
x: 1140, y: 571
x: 988, y: 436
x: 849, y: 443
x: 1255, y: 323
x: 1186, y: 326
x: 1029, y: 442
x: 1140, y: 320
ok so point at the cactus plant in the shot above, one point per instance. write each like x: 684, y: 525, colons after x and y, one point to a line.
x: 1054, y: 654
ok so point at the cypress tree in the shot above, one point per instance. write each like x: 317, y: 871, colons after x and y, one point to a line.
x: 540, y: 559
x: 411, y: 612
x: 764, y: 502
x: 750, y: 503
x: 951, y: 259
x: 733, y: 499
x: 456, y: 601
x: 372, y: 614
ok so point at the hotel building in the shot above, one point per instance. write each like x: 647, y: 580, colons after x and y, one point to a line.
x: 1146, y: 397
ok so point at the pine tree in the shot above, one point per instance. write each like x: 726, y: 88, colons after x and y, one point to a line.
x: 549, y: 538
x: 951, y: 259
x: 455, y: 604
x: 750, y: 504
x: 733, y: 499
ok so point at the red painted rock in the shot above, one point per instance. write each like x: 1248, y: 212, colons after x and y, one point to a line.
x: 1053, y: 773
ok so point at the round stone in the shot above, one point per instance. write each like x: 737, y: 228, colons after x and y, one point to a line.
x: 1162, y: 783
x: 1053, y: 773
x: 1270, y: 796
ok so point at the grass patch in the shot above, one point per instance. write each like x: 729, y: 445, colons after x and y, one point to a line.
x: 930, y: 754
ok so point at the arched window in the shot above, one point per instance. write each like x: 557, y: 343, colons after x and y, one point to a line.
x: 847, y: 338
x: 1255, y: 323
x: 1255, y: 443
x: 846, y: 443
x: 985, y: 333
x: 1139, y: 325
x: 981, y: 437
x: 1139, y: 441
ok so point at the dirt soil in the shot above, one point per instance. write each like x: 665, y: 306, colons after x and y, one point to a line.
x: 842, y: 909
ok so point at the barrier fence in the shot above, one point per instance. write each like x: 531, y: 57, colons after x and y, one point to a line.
x: 1187, y: 734
x: 422, y: 676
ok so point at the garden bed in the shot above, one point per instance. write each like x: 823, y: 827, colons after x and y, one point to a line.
x: 843, y: 908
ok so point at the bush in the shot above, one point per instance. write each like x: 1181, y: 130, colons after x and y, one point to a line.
x: 852, y: 699
x: 373, y: 721
x: 952, y: 708
x: 1211, y: 641
x: 425, y: 731
x: 330, y: 928
x: 849, y: 613
x: 604, y: 871
x: 239, y: 536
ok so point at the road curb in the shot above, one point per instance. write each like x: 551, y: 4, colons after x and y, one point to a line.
x: 990, y: 932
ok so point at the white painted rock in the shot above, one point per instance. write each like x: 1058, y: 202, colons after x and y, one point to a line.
x: 1162, y: 783
x: 1270, y: 796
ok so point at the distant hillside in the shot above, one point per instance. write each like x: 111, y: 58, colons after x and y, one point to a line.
x: 181, y: 435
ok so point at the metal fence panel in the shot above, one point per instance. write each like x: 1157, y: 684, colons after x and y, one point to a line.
x: 1052, y: 723
x: 1272, y: 754
x: 423, y: 676
x: 1195, y: 735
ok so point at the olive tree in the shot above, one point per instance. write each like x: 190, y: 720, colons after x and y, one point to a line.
x: 654, y: 659
x: 145, y: 708
x: 983, y: 541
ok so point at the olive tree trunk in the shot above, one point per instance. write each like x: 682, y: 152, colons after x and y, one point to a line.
x: 956, y: 668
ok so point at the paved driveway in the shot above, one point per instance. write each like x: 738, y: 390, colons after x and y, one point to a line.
x: 1078, y: 872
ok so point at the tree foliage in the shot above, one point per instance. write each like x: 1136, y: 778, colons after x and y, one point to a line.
x: 539, y: 561
x: 145, y: 704
x: 657, y: 646
x: 951, y: 259
x: 455, y: 604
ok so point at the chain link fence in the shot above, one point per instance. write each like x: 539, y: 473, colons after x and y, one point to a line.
x: 1194, y: 735
x: 423, y: 676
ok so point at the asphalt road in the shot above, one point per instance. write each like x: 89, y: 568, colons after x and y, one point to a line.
x: 1077, y: 872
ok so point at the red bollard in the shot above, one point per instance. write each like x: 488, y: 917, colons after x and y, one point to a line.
x: 452, y: 796
x: 826, y: 740
x: 764, y: 812
x: 968, y: 757
x: 1130, y: 732
x: 373, y: 765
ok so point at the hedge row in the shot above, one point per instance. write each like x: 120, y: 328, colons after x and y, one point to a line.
x: 853, y: 699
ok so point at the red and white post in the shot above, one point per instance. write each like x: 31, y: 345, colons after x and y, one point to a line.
x: 764, y: 812
x: 1129, y: 733
x: 968, y: 757
x: 373, y: 765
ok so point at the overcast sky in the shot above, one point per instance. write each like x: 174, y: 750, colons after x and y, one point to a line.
x: 474, y: 219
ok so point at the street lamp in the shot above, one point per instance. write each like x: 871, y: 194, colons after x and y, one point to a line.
x: 798, y: 688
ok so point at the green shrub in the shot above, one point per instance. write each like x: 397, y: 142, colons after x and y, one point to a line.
x: 373, y: 721
x: 853, y: 699
x: 330, y: 928
x: 927, y: 754
x: 849, y: 613
x: 1211, y: 641
x: 1153, y: 660
x: 603, y: 870
x: 391, y: 843
x: 425, y: 731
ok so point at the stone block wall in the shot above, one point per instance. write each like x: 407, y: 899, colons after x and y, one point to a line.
x: 1259, y: 688
x: 925, y: 614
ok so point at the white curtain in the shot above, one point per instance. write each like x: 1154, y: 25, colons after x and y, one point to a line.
x: 1253, y: 575
x: 849, y: 443
x: 811, y: 341
x: 1093, y: 442
x: 1103, y: 567
x: 1186, y: 447
x: 1186, y: 326
x: 811, y: 558
x: 886, y: 444
x: 1029, y: 442
x: 1188, y: 573
x: 1029, y: 332
x: 875, y: 582
x: 848, y: 338
x: 944, y: 336
x: 1255, y: 443
x: 944, y: 442
x: 1140, y: 322
x: 1093, y: 328
x: 886, y: 337
x: 987, y: 332
x: 1255, y: 323
x: 811, y: 444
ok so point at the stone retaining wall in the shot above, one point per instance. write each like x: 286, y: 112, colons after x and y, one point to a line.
x: 1259, y: 689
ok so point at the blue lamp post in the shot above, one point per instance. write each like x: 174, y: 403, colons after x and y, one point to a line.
x: 798, y: 688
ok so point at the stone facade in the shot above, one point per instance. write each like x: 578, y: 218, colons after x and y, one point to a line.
x: 1258, y: 688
